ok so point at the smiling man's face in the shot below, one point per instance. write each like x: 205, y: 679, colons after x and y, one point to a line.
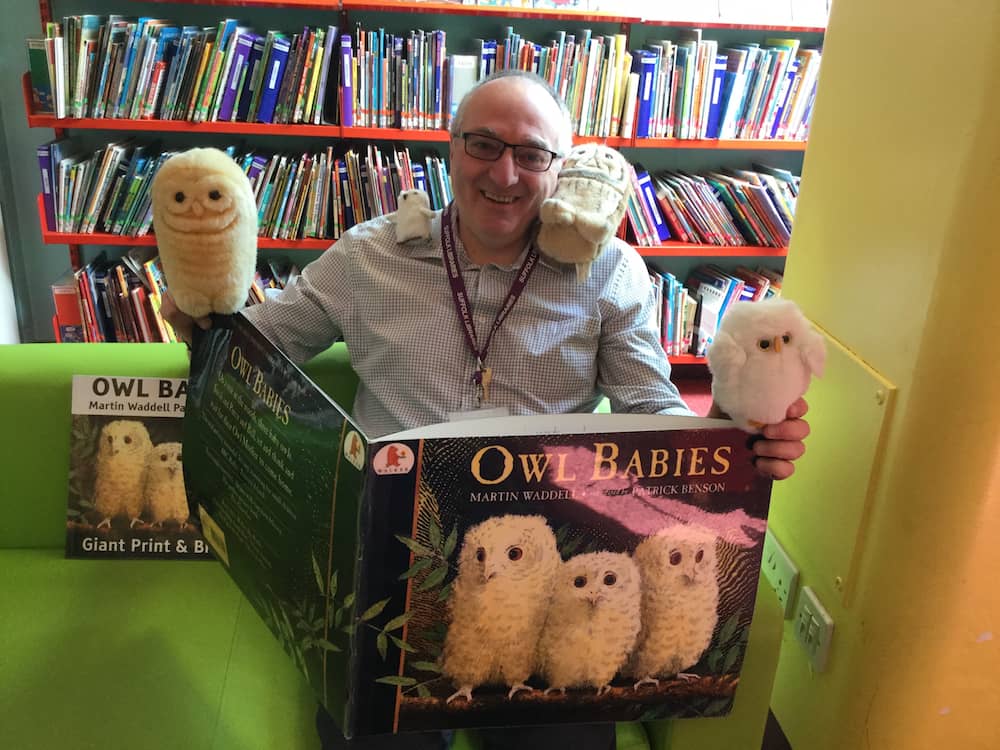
x: 498, y: 201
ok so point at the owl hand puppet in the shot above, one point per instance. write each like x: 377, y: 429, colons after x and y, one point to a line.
x: 587, y: 206
x: 762, y: 360
x: 413, y: 216
x: 205, y: 218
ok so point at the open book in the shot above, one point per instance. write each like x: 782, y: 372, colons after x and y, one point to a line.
x: 514, y: 570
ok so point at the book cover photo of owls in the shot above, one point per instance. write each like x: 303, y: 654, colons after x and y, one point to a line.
x: 126, y: 495
x: 557, y: 578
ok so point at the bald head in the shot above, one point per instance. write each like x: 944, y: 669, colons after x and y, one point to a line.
x: 513, y: 83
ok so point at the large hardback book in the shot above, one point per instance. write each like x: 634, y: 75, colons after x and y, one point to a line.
x: 126, y: 482
x: 485, y: 572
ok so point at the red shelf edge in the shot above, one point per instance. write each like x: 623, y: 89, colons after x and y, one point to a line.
x: 688, y: 250
x: 687, y: 359
x: 554, y: 14
x: 78, y: 238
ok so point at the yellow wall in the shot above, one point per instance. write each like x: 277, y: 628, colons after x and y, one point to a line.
x: 896, y: 253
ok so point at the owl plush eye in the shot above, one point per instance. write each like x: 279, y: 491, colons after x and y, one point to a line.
x: 764, y: 344
x: 610, y: 579
x: 580, y: 581
x: 786, y: 338
x: 214, y: 195
x: 515, y: 553
x: 179, y: 196
x: 128, y: 440
x: 699, y: 555
x: 481, y: 555
x: 163, y: 457
x: 675, y: 558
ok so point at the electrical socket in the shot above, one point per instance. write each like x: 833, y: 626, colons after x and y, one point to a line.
x: 813, y: 628
x: 780, y: 572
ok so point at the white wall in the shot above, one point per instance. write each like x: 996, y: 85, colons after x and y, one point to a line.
x: 8, y: 315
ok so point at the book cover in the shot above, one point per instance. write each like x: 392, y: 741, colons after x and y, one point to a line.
x: 126, y: 486
x: 41, y: 86
x: 68, y: 310
x: 512, y: 571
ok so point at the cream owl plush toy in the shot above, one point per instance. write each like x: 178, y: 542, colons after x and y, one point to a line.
x: 205, y: 219
x: 762, y: 359
x: 413, y: 216
x: 587, y: 206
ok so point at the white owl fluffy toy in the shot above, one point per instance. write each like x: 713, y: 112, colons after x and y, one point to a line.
x: 762, y: 360
x: 205, y: 219
x: 587, y: 206
x: 413, y: 216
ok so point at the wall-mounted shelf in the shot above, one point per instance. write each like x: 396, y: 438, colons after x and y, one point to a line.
x: 148, y: 240
x: 675, y: 249
x: 500, y: 11
x: 357, y: 133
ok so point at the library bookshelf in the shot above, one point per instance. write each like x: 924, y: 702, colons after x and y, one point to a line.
x: 668, y: 252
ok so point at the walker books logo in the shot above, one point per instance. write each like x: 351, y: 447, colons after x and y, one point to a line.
x: 516, y: 570
x: 126, y: 484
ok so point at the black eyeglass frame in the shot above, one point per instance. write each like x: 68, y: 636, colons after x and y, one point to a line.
x: 553, y: 155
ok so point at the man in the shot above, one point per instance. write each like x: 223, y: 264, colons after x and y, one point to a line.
x: 473, y: 319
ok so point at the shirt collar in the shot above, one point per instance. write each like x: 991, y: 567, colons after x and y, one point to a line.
x: 432, y: 249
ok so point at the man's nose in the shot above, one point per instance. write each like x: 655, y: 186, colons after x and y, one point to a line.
x: 504, y: 171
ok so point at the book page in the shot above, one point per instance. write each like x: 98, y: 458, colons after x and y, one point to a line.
x: 556, y: 424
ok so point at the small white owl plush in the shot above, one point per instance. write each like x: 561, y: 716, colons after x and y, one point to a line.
x: 205, y: 219
x: 762, y: 360
x: 587, y: 206
x: 413, y: 216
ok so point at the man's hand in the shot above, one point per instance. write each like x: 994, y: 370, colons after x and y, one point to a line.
x: 180, y: 321
x: 781, y: 444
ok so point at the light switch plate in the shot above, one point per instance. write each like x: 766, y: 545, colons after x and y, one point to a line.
x: 813, y: 628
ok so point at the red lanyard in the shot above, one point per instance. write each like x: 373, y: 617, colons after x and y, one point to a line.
x: 483, y: 374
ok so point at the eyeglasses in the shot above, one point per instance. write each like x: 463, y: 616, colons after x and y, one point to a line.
x: 488, y: 148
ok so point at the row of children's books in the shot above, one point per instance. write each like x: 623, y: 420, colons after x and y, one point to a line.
x: 120, y: 300
x: 726, y: 207
x: 315, y: 194
x: 687, y: 315
x: 692, y: 88
x: 150, y: 68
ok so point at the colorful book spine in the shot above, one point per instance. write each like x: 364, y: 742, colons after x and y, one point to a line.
x: 645, y: 66
x: 650, y: 205
x: 715, y: 103
x: 272, y: 79
x: 241, y: 56
x: 346, y: 82
x: 48, y: 194
x: 319, y: 114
